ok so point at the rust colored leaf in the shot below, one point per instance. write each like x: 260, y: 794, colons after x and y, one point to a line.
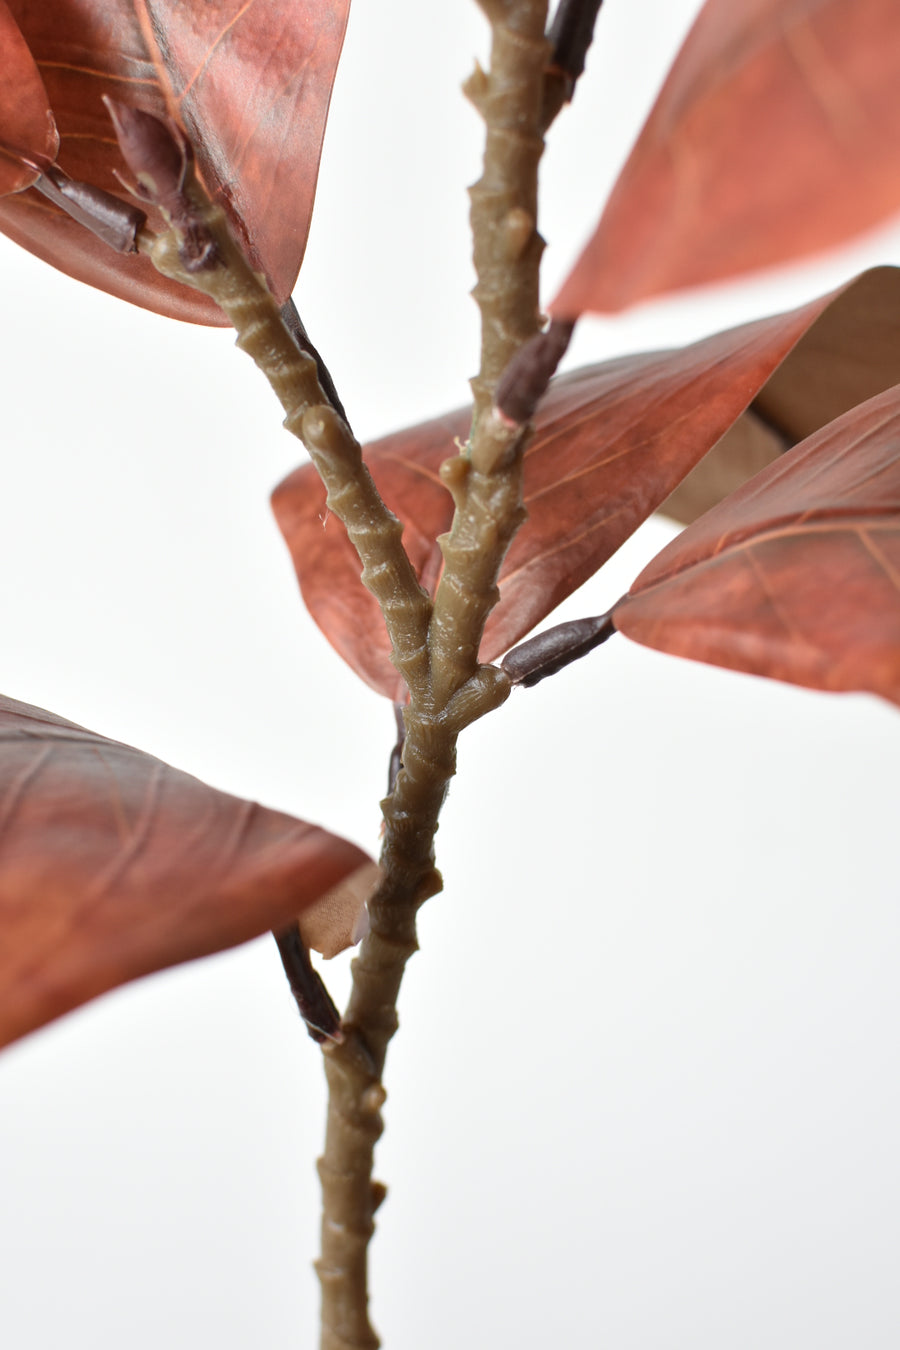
x: 612, y: 441
x: 250, y: 80
x: 797, y: 575
x: 26, y: 122
x: 776, y: 135
x: 850, y: 354
x: 113, y: 865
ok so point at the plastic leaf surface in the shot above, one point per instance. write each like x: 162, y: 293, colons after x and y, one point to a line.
x: 250, y: 80
x: 612, y: 442
x: 797, y: 575
x: 850, y: 354
x: 113, y: 865
x: 776, y: 135
x: 26, y: 122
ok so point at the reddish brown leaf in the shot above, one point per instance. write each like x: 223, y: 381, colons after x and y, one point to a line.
x: 851, y: 353
x: 249, y: 79
x: 113, y: 865
x: 612, y: 441
x: 797, y: 575
x: 26, y: 122
x: 776, y: 134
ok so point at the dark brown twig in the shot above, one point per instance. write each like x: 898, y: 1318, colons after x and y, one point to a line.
x: 524, y: 381
x: 116, y: 222
x: 552, y: 650
x: 323, y: 1021
x: 570, y: 34
x: 294, y: 324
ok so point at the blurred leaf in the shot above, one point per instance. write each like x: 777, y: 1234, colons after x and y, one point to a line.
x: 26, y: 122
x: 249, y: 79
x: 797, y: 575
x: 113, y: 865
x: 612, y: 441
x: 776, y: 135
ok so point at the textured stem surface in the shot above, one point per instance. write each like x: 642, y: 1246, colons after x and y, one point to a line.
x: 486, y: 479
x: 447, y: 690
x: 486, y: 485
x: 374, y: 530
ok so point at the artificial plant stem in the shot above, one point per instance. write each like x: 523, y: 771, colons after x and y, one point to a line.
x: 354, y: 1068
x: 486, y: 479
x: 486, y: 486
x: 570, y: 35
x: 441, y: 704
x: 352, y: 496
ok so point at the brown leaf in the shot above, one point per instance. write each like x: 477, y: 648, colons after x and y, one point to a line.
x: 249, y: 79
x: 26, y: 122
x: 612, y: 441
x: 850, y: 354
x: 776, y: 135
x: 113, y: 865
x: 797, y: 575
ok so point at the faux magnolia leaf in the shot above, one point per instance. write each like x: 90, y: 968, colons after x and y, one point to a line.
x: 26, y: 122
x: 249, y: 79
x: 797, y: 575
x: 850, y: 354
x: 612, y: 441
x: 776, y: 134
x: 113, y: 865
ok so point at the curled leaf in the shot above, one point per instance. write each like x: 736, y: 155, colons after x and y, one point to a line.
x: 113, y: 865
x: 776, y: 135
x: 797, y: 575
x: 850, y: 354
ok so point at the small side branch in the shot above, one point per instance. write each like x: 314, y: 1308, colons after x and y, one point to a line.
x: 524, y: 382
x: 571, y: 34
x: 199, y: 251
x: 297, y: 329
x: 323, y: 1021
x: 556, y: 648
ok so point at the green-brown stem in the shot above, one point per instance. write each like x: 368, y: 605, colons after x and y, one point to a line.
x: 448, y: 690
x: 486, y: 479
x: 352, y: 496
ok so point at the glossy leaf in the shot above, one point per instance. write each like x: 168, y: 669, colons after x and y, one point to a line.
x: 797, y: 575
x: 113, y: 865
x: 776, y: 135
x: 249, y: 79
x: 612, y: 442
x: 26, y: 122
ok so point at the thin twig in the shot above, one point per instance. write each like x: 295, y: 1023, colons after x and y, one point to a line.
x: 323, y: 1021
x: 571, y: 34
x: 524, y: 382
x: 554, y: 649
x: 297, y: 329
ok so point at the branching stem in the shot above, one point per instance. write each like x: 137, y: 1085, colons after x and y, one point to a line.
x: 352, y: 496
x: 435, y: 648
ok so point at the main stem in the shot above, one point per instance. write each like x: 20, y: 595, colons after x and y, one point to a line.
x: 434, y: 647
x: 486, y: 484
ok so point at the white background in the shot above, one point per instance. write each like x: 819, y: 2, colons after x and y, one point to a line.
x: 644, y: 1093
